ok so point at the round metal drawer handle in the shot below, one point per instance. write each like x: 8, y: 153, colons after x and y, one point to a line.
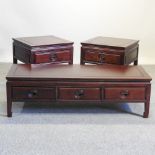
x: 78, y: 93
x: 102, y: 57
x: 53, y: 57
x: 124, y: 94
x: 32, y: 93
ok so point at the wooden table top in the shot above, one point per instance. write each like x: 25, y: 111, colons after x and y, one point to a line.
x: 43, y: 41
x: 66, y: 72
x: 110, y: 42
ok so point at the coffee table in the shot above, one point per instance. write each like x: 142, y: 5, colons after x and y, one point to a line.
x: 61, y: 83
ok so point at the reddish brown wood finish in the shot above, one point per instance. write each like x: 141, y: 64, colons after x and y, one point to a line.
x: 102, y: 50
x: 43, y: 49
x: 33, y: 93
x: 81, y: 93
x: 78, y: 83
x: 125, y: 93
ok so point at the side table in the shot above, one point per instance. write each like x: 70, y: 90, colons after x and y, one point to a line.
x: 101, y: 50
x: 43, y: 49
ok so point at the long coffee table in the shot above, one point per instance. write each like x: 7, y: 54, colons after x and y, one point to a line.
x: 78, y: 83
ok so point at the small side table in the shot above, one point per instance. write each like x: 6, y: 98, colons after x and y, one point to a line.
x: 43, y: 49
x: 101, y: 50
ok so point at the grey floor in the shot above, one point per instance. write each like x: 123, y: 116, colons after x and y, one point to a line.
x: 38, y: 129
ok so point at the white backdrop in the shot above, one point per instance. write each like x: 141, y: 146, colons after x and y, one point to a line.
x: 79, y: 20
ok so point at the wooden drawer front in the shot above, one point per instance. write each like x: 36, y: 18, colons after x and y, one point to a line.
x: 110, y: 58
x: 63, y: 56
x: 101, y: 57
x: 54, y: 56
x: 125, y: 93
x: 79, y: 94
x: 33, y: 93
x: 91, y: 56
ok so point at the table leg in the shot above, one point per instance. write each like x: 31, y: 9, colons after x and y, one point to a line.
x: 147, y: 103
x: 82, y: 62
x: 136, y: 62
x: 70, y: 62
x: 9, y: 107
x: 9, y: 100
x: 71, y: 57
x: 14, y: 61
x: 146, y: 111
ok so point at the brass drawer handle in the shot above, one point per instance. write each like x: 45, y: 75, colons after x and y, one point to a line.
x: 78, y: 93
x: 32, y: 93
x: 53, y: 57
x: 124, y: 94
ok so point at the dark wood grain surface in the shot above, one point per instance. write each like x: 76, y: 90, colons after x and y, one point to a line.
x: 61, y: 83
x: 110, y: 42
x: 83, y: 72
x: 42, y: 49
x: 43, y: 41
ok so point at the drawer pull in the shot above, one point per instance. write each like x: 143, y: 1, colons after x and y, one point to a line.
x: 102, y: 57
x: 78, y: 93
x: 124, y: 94
x: 32, y: 93
x: 53, y: 57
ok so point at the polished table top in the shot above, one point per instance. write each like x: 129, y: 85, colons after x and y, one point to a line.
x: 110, y: 42
x: 77, y: 72
x: 43, y: 41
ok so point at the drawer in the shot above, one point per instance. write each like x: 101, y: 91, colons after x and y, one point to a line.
x: 125, y: 93
x: 91, y: 56
x: 33, y: 93
x: 79, y: 93
x: 54, y: 56
x: 102, y: 57
x: 109, y: 58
